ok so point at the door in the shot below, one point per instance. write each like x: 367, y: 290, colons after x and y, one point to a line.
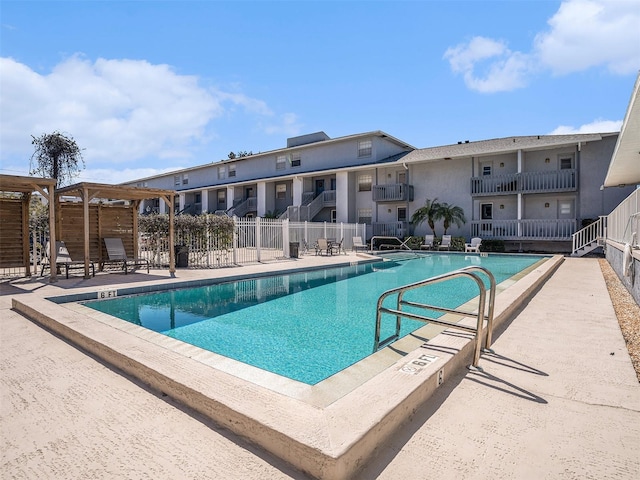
x: 248, y: 193
x: 319, y: 187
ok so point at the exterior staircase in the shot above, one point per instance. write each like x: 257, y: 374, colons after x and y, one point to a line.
x: 589, y: 238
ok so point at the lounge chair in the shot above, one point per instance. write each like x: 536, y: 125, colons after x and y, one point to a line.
x: 428, y: 243
x: 63, y: 259
x: 117, y: 254
x: 445, y: 244
x: 322, y: 245
x: 474, y: 246
x: 357, y: 244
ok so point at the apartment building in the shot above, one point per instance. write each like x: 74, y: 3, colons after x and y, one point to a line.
x: 533, y: 192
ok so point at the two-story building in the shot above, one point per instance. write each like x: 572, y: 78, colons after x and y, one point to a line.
x: 533, y: 192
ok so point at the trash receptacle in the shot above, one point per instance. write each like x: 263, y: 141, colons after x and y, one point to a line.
x: 293, y: 249
x: 182, y: 256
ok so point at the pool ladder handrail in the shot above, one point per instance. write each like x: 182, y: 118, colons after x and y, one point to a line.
x: 469, y: 272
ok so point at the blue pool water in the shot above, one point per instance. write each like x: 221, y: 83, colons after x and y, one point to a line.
x: 305, y: 326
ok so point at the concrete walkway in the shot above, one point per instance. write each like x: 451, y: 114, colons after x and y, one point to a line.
x: 558, y: 399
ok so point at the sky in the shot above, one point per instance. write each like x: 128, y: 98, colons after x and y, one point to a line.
x: 145, y: 87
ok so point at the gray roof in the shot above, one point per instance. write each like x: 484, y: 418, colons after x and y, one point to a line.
x: 498, y: 145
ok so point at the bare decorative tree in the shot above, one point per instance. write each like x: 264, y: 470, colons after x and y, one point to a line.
x: 56, y: 156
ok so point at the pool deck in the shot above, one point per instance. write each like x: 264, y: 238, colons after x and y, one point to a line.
x: 558, y: 399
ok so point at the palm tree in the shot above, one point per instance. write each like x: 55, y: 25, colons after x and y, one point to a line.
x: 450, y: 214
x: 429, y: 212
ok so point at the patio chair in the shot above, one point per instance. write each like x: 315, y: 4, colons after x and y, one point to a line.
x: 446, y: 243
x: 474, y: 246
x: 337, y: 246
x: 63, y: 259
x: 428, y: 242
x: 357, y: 243
x: 322, y: 245
x: 117, y: 254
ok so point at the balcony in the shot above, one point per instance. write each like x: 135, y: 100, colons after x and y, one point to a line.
x: 527, y: 182
x: 395, y: 192
x: 526, y: 229
x: 390, y: 229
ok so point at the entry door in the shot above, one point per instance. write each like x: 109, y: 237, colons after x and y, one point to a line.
x: 249, y: 193
x: 319, y: 187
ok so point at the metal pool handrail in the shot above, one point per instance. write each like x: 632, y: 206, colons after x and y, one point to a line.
x: 469, y: 272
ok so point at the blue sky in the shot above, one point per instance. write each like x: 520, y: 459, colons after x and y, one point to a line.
x: 146, y: 87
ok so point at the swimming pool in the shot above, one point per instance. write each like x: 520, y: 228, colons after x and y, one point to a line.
x: 304, y: 326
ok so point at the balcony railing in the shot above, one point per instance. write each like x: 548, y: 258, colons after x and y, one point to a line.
x: 527, y: 182
x: 390, y: 229
x: 396, y: 192
x: 529, y: 229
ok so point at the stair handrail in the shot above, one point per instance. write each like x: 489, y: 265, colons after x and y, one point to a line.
x: 469, y: 272
x: 587, y: 235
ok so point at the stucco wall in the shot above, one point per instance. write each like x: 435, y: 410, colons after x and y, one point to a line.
x: 614, y: 255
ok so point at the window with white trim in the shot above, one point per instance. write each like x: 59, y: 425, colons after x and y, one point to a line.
x: 281, y: 162
x: 185, y: 179
x: 222, y: 172
x: 364, y: 215
x: 281, y: 190
x: 177, y: 180
x: 365, y: 147
x: 364, y: 183
x: 222, y: 197
x: 296, y: 159
x: 232, y: 170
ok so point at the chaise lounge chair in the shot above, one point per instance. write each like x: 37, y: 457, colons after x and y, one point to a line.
x: 446, y: 243
x: 428, y: 243
x: 63, y: 259
x: 474, y: 246
x: 357, y: 244
x: 117, y: 254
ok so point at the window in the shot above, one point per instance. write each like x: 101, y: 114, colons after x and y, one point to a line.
x: 566, y: 162
x: 401, y: 177
x: 222, y: 197
x: 486, y: 211
x: 185, y: 179
x: 486, y: 169
x: 198, y: 198
x: 222, y: 172
x: 281, y: 162
x: 364, y: 183
x: 402, y: 214
x: 281, y: 190
x: 333, y: 216
x: 296, y: 160
x: 565, y: 208
x: 364, y: 215
x: 232, y: 170
x: 364, y: 148
x: 177, y: 180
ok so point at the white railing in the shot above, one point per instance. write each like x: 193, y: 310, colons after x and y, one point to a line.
x: 625, y: 219
x: 529, y: 229
x: 589, y: 235
x: 390, y: 229
x: 240, y: 210
x: 525, y: 182
x: 306, y: 211
x: 397, y: 192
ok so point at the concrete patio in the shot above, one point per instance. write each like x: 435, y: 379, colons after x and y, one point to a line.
x: 558, y: 399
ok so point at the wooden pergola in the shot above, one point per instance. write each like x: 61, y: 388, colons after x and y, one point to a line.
x: 26, y: 186
x: 92, y: 192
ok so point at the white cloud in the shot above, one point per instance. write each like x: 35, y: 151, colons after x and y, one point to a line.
x: 597, y: 126
x: 590, y: 33
x: 120, y: 112
x: 582, y: 34
x: 503, y: 69
x: 287, y: 124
